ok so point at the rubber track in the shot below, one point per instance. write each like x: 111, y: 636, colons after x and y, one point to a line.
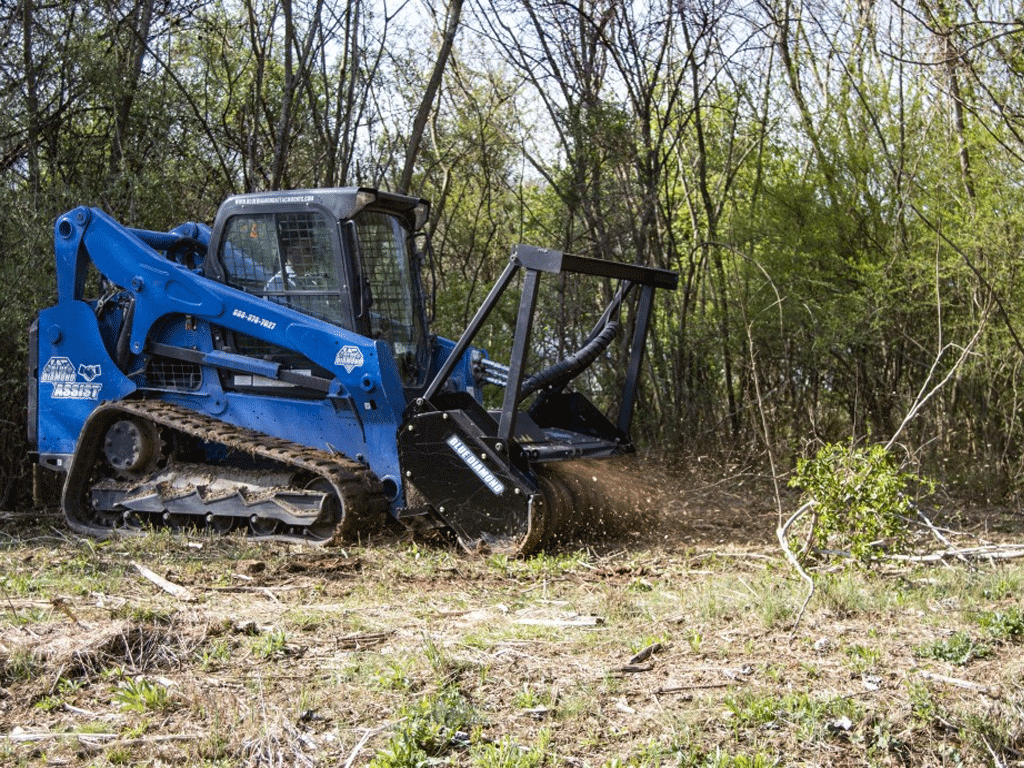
x: 362, y: 496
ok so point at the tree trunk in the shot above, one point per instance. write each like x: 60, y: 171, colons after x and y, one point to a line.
x: 427, y: 103
x: 142, y: 20
x: 31, y: 96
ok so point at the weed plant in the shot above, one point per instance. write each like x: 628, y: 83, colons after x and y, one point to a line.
x: 142, y: 695
x: 959, y: 649
x: 861, y: 498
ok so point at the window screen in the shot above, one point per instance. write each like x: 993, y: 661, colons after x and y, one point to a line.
x: 287, y: 258
x: 390, y: 290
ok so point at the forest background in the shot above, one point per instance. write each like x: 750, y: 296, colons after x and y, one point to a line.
x: 838, y: 184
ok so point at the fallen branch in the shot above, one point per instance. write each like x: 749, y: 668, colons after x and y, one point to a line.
x: 782, y: 533
x: 992, y: 691
x: 257, y: 590
x: 366, y: 640
x: 575, y: 621
x: 170, y: 587
x: 693, y: 687
x: 631, y: 669
x: 362, y: 743
x: 62, y: 605
x: 1009, y: 552
x: 931, y: 527
x: 113, y: 739
x: 647, y: 652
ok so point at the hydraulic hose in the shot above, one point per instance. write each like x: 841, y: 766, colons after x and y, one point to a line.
x: 572, y: 366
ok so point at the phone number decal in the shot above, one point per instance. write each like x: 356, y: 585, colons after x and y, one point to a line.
x: 254, y: 319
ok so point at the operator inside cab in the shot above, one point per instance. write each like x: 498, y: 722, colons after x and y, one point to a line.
x: 299, y: 259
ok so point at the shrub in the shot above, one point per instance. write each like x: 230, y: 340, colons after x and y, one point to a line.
x: 861, y: 500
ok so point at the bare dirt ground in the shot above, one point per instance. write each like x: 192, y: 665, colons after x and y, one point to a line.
x: 671, y: 641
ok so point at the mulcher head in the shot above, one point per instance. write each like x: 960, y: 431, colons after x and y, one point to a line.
x: 508, y: 480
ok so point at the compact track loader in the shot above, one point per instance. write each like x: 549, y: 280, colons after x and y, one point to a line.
x: 275, y: 374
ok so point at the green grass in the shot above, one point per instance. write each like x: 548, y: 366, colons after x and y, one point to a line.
x: 269, y: 645
x: 863, y: 658
x: 142, y: 695
x: 1005, y: 625
x: 429, y: 728
x: 506, y: 753
x: 213, y: 653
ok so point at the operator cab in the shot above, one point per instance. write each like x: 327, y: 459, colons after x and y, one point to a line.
x: 346, y: 256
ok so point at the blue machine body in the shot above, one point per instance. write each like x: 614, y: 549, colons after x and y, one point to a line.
x: 175, y: 305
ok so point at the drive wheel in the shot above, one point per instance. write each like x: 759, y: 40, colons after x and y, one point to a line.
x: 263, y: 526
x: 220, y: 524
x: 106, y: 519
x: 179, y: 523
x: 132, y: 447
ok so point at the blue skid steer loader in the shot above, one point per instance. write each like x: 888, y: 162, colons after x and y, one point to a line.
x: 275, y: 374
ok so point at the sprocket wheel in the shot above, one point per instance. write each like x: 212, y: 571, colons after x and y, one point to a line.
x: 133, y: 448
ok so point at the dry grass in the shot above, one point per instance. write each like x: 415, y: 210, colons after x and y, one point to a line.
x: 673, y: 646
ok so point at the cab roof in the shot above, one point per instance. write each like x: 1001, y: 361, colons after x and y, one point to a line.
x: 341, y: 202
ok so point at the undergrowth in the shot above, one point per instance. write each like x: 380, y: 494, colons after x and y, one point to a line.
x: 862, y: 502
